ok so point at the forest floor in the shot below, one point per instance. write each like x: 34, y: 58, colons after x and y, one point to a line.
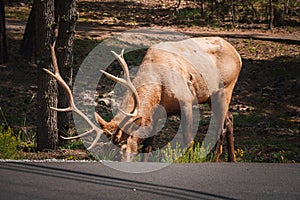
x: 265, y: 104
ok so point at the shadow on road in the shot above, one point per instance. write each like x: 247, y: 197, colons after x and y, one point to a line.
x: 114, y: 182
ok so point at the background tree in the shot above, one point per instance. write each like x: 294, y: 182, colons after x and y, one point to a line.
x: 47, y: 137
x: 278, y: 13
x: 270, y: 15
x: 27, y: 46
x: 3, y: 44
x: 66, y: 17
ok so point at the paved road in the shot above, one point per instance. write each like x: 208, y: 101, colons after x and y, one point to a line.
x: 93, y: 180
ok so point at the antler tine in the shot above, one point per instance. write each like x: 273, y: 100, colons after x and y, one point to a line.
x: 72, y: 107
x: 77, y: 136
x: 126, y: 82
x: 123, y: 64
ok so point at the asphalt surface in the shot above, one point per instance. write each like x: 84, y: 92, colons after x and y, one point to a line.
x: 94, y: 180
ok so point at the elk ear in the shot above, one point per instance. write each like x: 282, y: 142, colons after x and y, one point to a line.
x: 100, y: 120
x: 135, y: 125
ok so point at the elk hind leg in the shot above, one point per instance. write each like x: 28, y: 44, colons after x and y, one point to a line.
x: 228, y: 133
x: 229, y: 136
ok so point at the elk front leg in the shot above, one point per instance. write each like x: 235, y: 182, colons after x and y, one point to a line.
x: 130, y: 149
x: 147, y: 148
x: 159, y: 114
x: 187, y: 124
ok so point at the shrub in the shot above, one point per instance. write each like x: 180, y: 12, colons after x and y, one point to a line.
x: 178, y: 154
x: 8, y: 143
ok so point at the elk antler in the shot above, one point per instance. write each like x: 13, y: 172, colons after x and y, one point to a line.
x: 126, y: 82
x: 72, y: 106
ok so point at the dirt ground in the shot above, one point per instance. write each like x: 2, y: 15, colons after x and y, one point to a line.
x: 265, y: 102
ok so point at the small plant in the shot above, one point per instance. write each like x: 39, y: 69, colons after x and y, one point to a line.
x: 77, y: 144
x: 279, y: 156
x: 196, y: 155
x: 171, y: 154
x: 106, y: 152
x: 200, y: 154
x: 27, y: 139
x: 8, y: 143
x: 240, y: 154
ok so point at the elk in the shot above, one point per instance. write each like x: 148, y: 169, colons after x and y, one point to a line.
x: 167, y: 77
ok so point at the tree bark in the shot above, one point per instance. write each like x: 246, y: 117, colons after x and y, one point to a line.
x: 66, y: 15
x: 28, y: 42
x: 233, y: 12
x: 202, y: 7
x: 278, y: 13
x: 47, y: 137
x: 271, y: 14
x: 3, y: 44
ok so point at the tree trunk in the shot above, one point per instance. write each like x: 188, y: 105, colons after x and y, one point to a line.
x: 47, y: 137
x: 28, y: 42
x: 275, y: 14
x: 278, y: 13
x: 286, y: 7
x: 271, y: 14
x: 202, y: 7
x: 3, y: 44
x: 213, y: 7
x: 233, y: 12
x: 66, y: 15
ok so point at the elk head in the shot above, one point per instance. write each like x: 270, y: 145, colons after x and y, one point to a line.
x: 121, y: 129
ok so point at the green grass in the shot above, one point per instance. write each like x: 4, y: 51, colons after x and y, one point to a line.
x: 246, y: 120
x: 266, y: 153
x: 188, y: 13
x: 76, y: 144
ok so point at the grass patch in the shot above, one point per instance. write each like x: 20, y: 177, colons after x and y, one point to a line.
x: 266, y: 153
x: 246, y: 120
x: 177, y: 154
x: 77, y: 144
